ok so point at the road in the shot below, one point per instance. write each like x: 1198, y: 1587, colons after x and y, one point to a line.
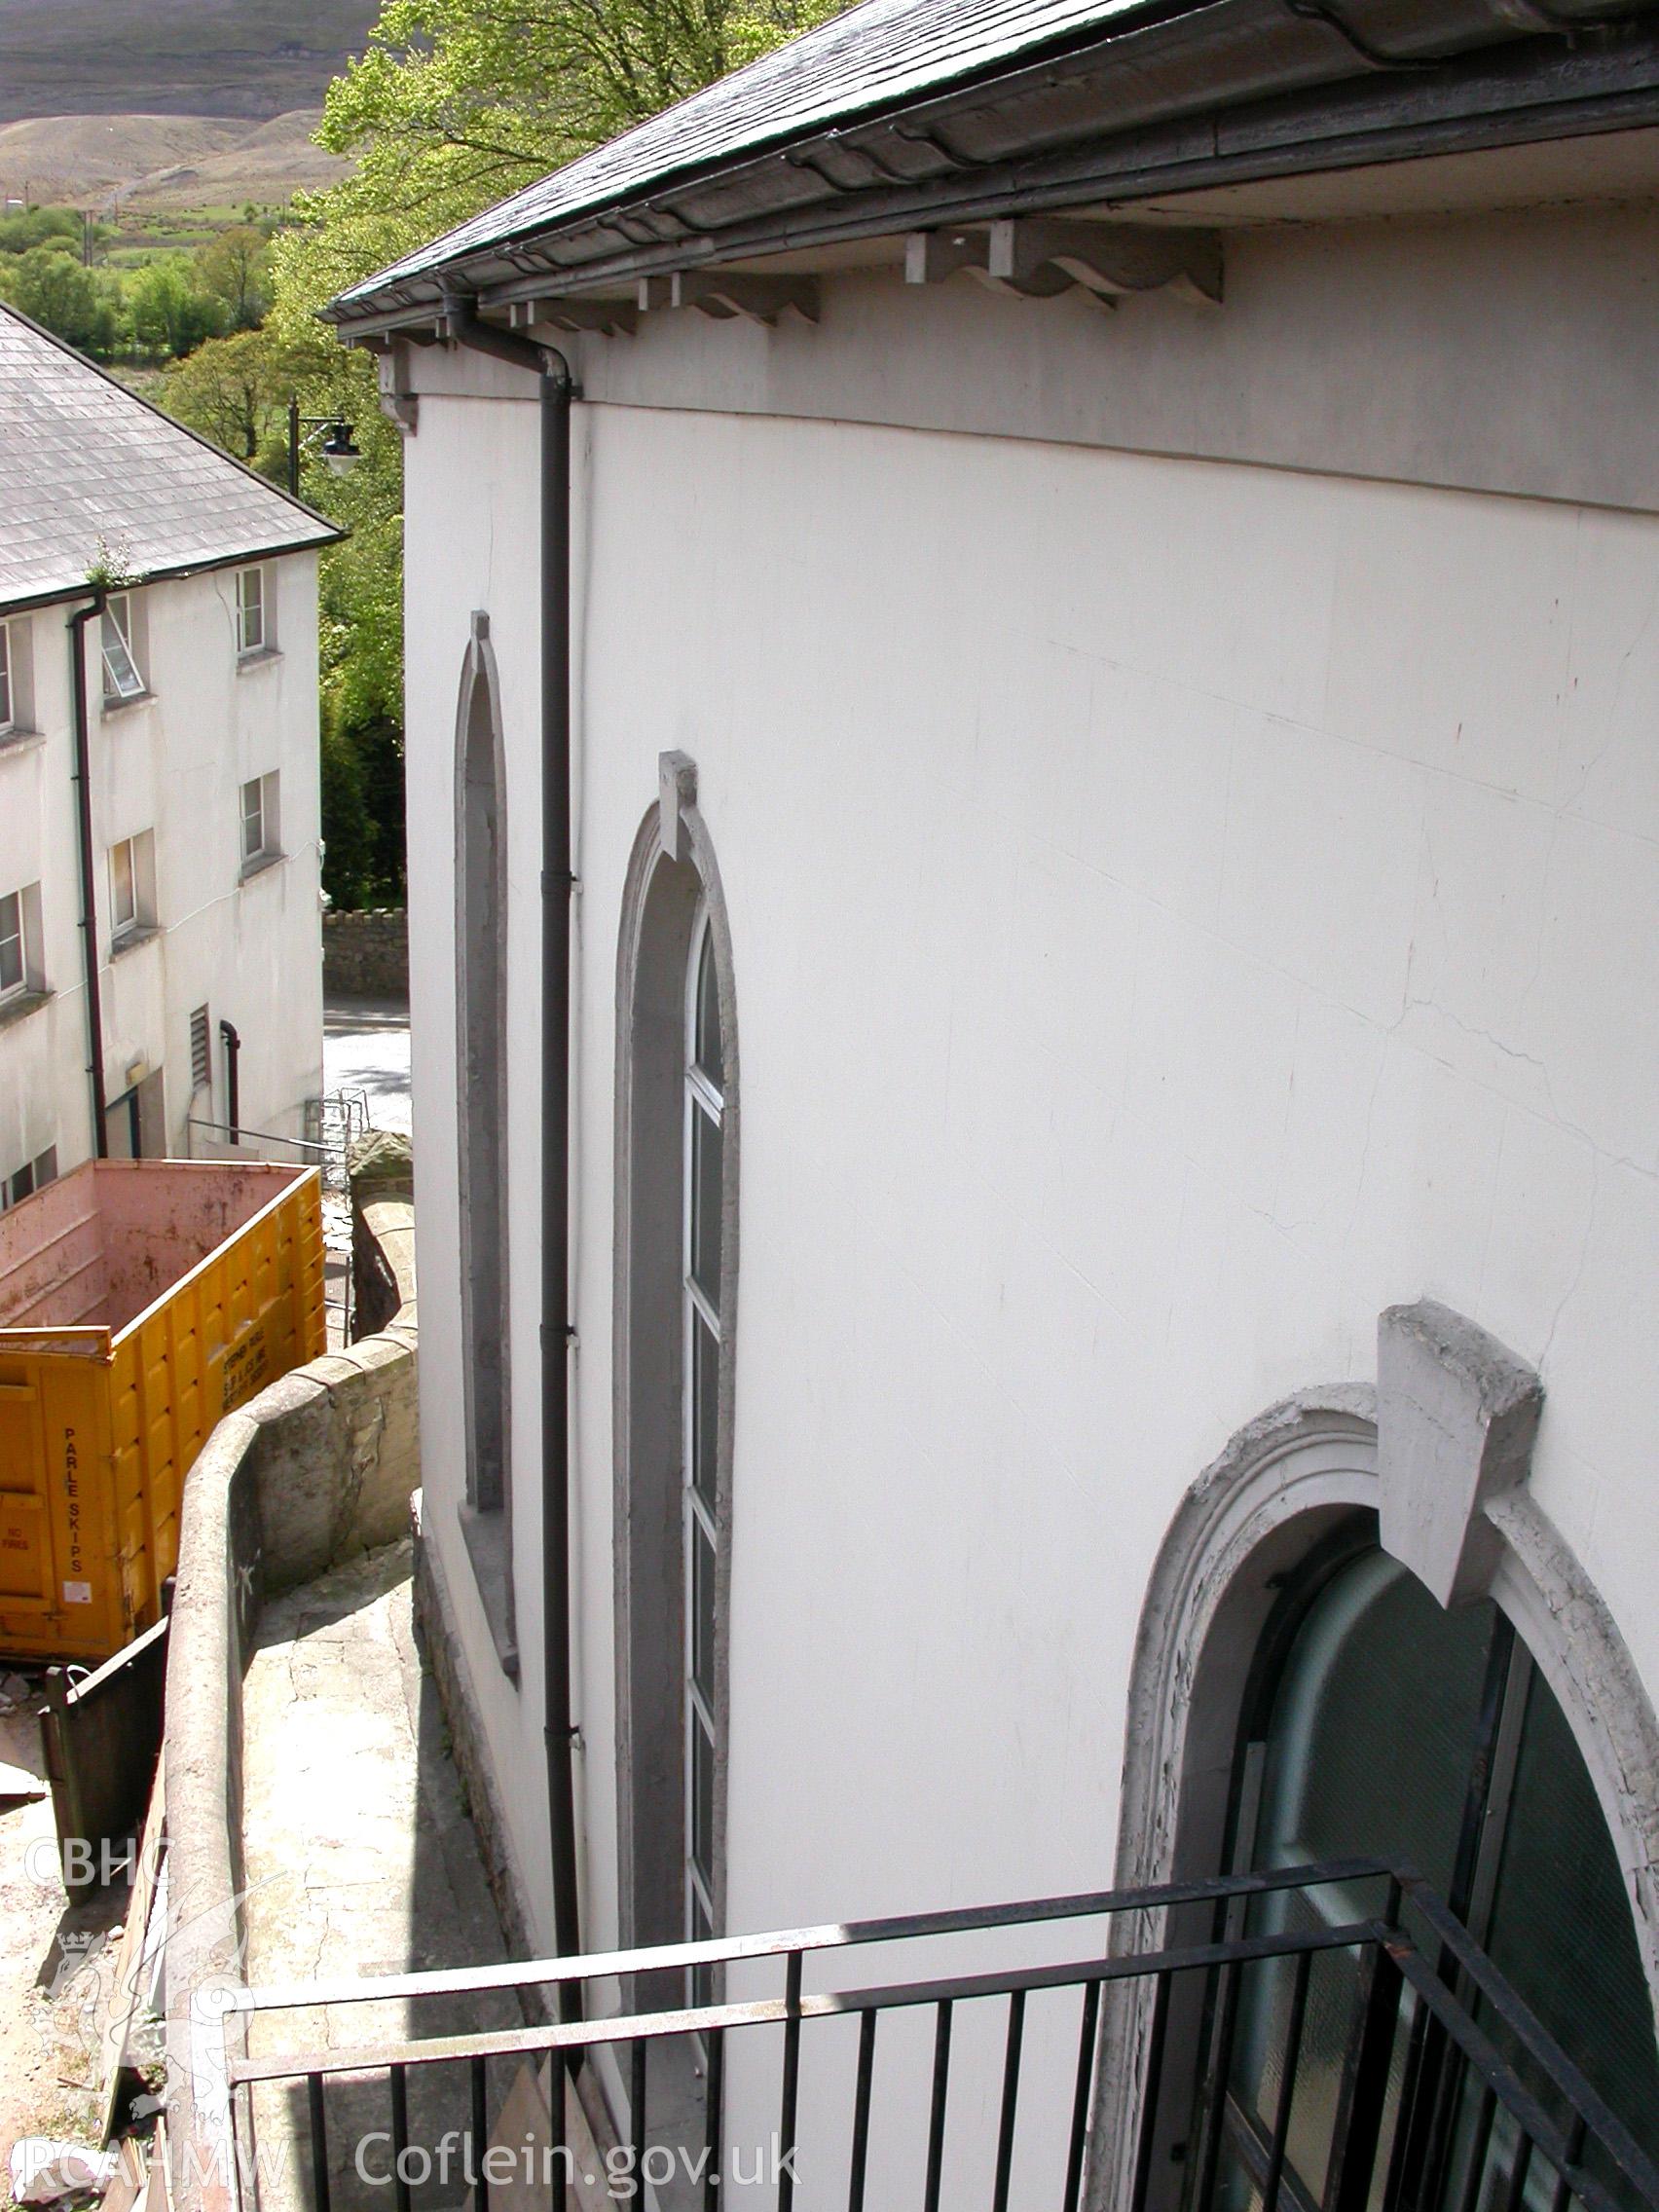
x: 365, y: 1048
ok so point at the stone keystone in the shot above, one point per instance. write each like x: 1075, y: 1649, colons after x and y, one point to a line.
x: 1457, y: 1414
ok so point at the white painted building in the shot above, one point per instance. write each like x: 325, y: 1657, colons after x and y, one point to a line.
x: 200, y: 732
x: 1169, y: 802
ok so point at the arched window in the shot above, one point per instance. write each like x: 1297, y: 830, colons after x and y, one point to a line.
x: 481, y: 1117
x: 703, y: 1250
x: 675, y: 1242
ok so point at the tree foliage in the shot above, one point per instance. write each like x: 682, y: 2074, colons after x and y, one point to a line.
x: 454, y: 104
x: 81, y: 306
x: 234, y: 268
x: 41, y: 225
x: 171, y: 312
x: 160, y: 311
x: 236, y: 391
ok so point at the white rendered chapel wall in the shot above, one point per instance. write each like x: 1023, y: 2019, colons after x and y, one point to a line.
x: 1179, y: 908
x: 246, y: 943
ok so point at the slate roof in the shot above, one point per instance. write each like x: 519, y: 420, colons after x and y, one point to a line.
x: 81, y: 459
x: 872, y: 56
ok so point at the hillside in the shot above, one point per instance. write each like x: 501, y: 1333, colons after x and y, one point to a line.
x: 161, y: 161
x: 252, y: 59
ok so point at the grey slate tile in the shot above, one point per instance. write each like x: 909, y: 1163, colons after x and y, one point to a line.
x: 82, y: 460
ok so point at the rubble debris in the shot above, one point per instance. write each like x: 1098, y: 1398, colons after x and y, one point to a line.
x: 43, y: 2170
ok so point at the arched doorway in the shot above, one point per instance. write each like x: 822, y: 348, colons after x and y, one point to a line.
x: 1299, y: 1697
x: 1379, y: 1726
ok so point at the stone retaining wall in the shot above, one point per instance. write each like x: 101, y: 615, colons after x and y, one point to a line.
x: 321, y: 1464
x: 366, y: 955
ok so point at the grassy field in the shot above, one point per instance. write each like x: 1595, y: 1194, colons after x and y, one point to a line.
x: 164, y: 172
x: 251, y: 59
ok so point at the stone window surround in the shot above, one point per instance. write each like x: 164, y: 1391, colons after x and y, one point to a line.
x: 481, y: 915
x: 1440, y: 1450
x: 673, y: 876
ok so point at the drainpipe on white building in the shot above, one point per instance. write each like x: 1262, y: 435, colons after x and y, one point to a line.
x: 88, y: 909
x: 557, y: 391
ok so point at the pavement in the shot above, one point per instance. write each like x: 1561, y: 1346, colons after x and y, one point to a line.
x: 360, y: 1858
x: 365, y: 1049
x: 365, y: 1055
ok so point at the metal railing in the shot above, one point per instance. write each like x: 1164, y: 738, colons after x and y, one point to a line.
x: 332, y: 1125
x: 1414, y: 1995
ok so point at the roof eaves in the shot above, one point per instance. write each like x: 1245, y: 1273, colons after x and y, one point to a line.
x: 767, y: 143
x: 59, y: 595
x: 1237, y: 76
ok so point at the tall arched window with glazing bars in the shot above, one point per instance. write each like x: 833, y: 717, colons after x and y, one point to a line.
x: 703, y: 1254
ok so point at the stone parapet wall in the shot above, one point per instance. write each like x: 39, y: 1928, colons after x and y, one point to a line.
x: 319, y: 1466
x: 366, y: 955
x: 382, y: 1171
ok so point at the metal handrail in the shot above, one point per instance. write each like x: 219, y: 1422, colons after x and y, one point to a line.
x: 242, y: 1133
x: 1394, y: 1966
x: 724, y: 1950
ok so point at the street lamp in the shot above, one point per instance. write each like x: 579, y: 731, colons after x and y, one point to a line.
x: 340, y: 451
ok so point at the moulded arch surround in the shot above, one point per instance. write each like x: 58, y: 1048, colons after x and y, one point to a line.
x: 481, y: 1105
x: 1255, y: 1511
x: 673, y: 875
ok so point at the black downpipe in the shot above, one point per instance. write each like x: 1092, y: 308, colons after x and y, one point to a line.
x: 88, y: 911
x: 233, y: 1078
x: 557, y: 391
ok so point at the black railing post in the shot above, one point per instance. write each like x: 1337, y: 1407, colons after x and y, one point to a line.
x: 1485, y: 2111
x: 713, y: 2119
x: 318, y: 2142
x: 1576, y: 2139
x: 792, y: 2084
x: 1364, y: 2087
x: 1009, y: 2113
x: 399, y: 2137
x: 1220, y: 2075
x: 938, y: 2102
x: 1082, y: 2095
x: 1150, y: 2086
x: 860, y: 2112
x: 1288, y: 2081
x: 637, y: 2092
x: 480, y: 2141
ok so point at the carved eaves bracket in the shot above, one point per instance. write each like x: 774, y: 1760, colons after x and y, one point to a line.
x: 610, y: 317
x: 399, y: 402
x: 1038, y: 257
x: 725, y: 294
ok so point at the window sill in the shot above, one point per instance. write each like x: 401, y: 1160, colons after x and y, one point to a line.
x: 123, y: 706
x: 141, y: 933
x: 16, y: 737
x: 21, y: 1007
x: 490, y: 1550
x: 260, y: 657
x: 258, y: 864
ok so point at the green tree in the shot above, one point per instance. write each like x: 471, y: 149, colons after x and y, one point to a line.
x: 454, y: 104
x: 236, y: 391
x: 475, y: 97
x: 78, y: 304
x: 235, y: 269
x: 40, y: 226
x: 172, y: 313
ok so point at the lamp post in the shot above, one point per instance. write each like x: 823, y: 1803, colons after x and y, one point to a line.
x: 340, y: 451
